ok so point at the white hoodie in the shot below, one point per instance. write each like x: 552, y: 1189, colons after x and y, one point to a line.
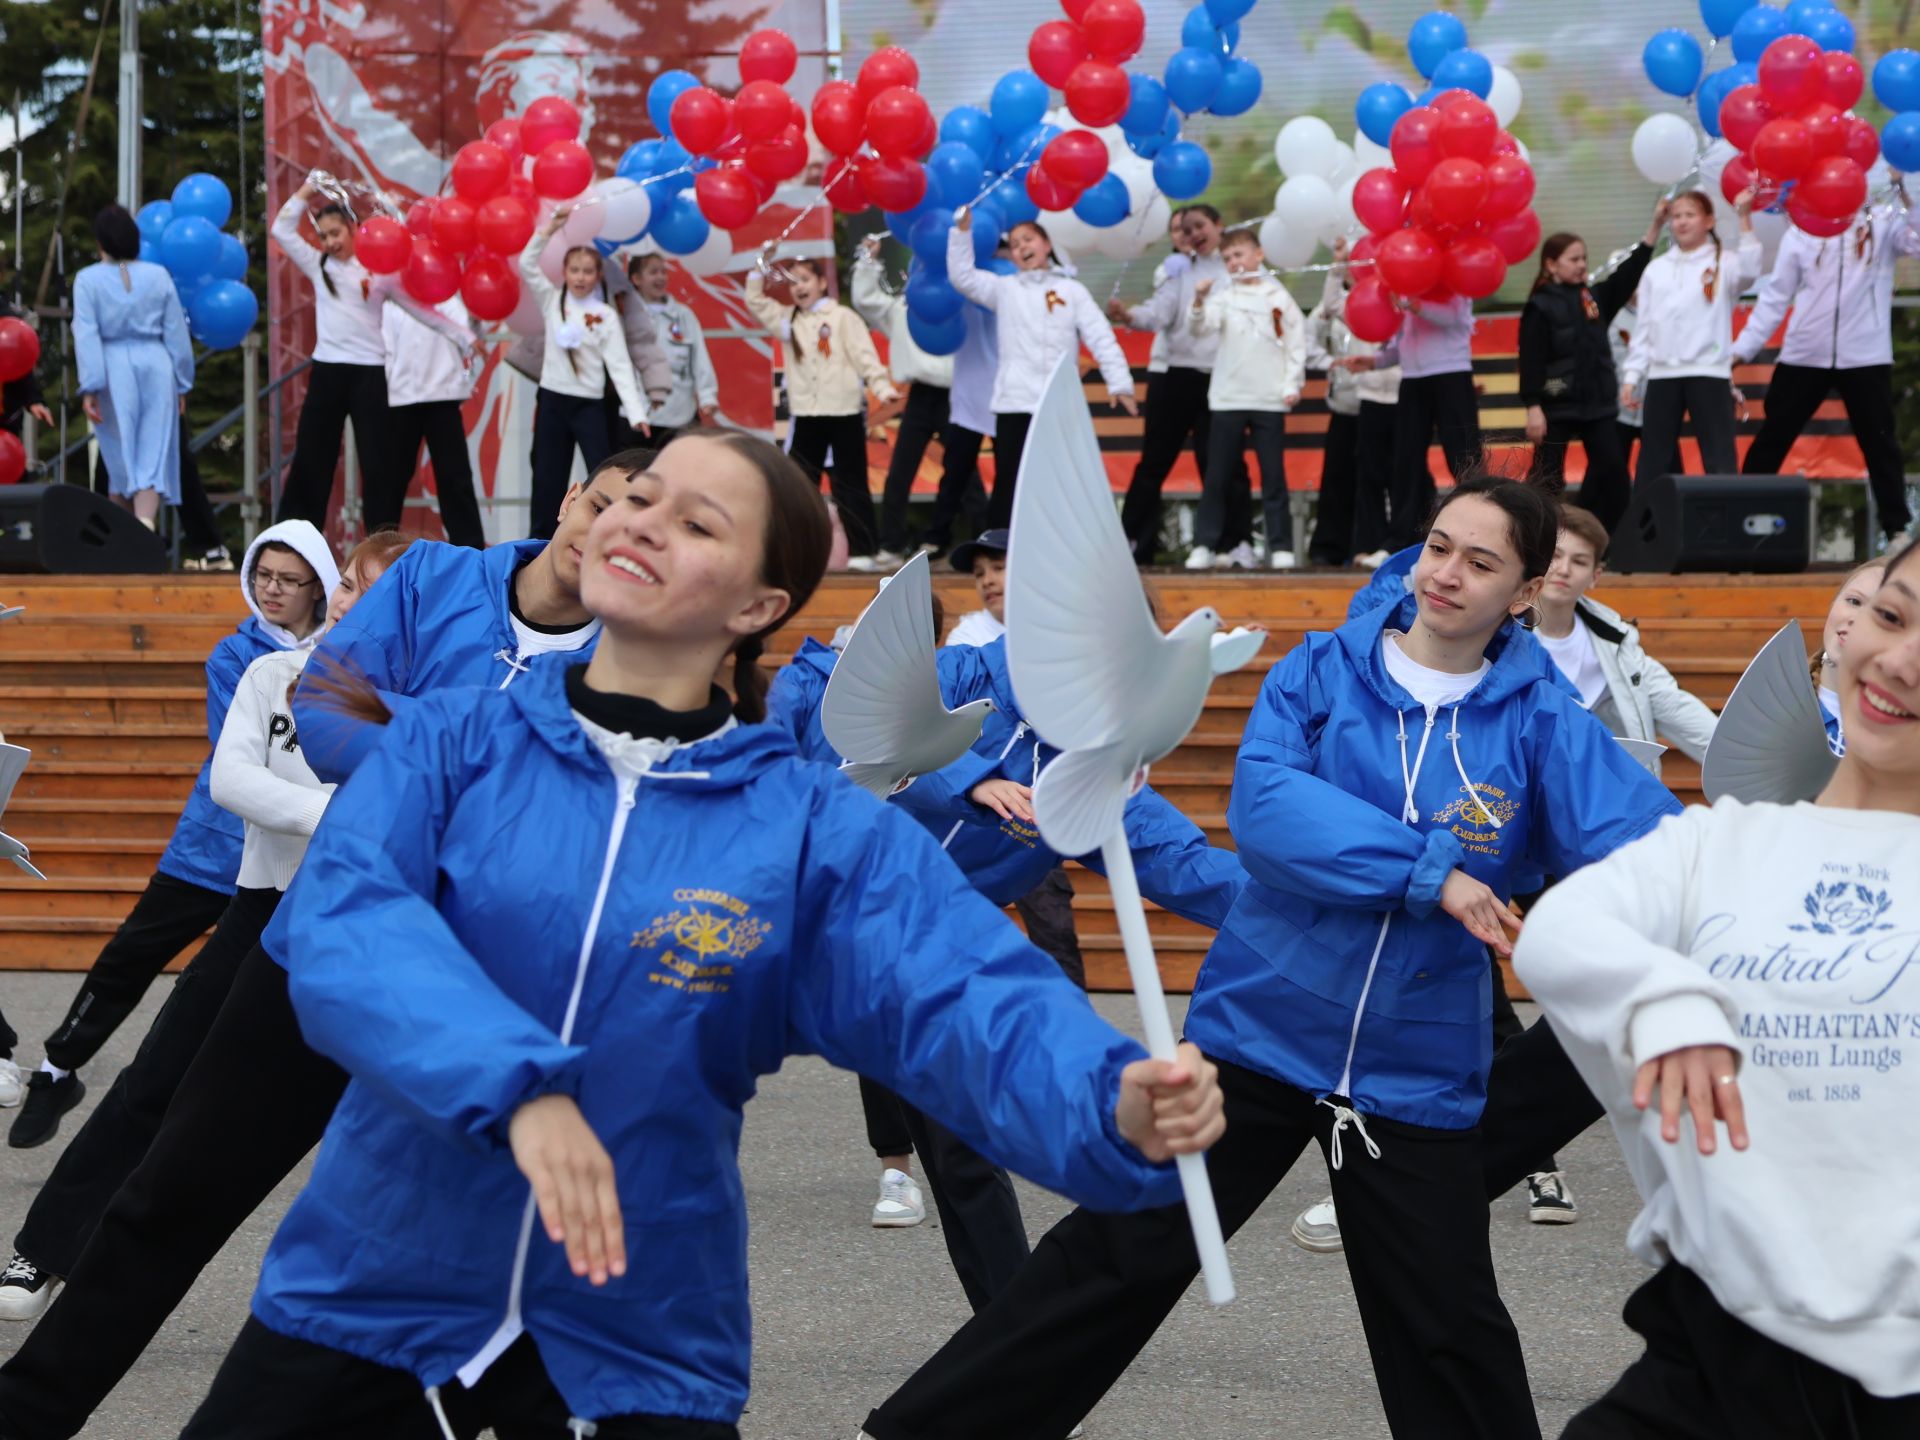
x: 1260, y: 338
x: 1166, y: 311
x: 586, y: 342
x: 1679, y: 331
x: 426, y: 366
x: 1790, y: 934
x: 260, y: 775
x: 1841, y: 291
x: 311, y: 546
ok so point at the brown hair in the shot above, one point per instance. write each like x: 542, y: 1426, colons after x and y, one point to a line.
x: 1241, y: 235
x: 599, y: 265
x: 1532, y: 508
x: 345, y: 216
x: 378, y: 552
x: 1552, y: 248
x: 1705, y: 202
x: 809, y: 263
x: 1885, y: 562
x: 1588, y: 527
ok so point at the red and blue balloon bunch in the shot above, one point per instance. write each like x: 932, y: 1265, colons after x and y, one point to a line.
x: 209, y: 266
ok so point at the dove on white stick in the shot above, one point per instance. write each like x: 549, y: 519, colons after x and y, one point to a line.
x: 1771, y: 742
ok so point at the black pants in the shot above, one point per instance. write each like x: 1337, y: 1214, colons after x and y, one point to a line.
x: 845, y: 437
x: 1047, y: 911
x: 886, y: 1118
x: 273, y: 1387
x: 1707, y: 1376
x: 1445, y: 1354
x: 1009, y: 444
x: 560, y: 423
x: 444, y: 429
x: 1536, y: 1104
x: 1507, y: 1026
x: 169, y: 916
x: 1176, y: 409
x: 254, y: 1101
x: 924, y: 418
x: 1373, y: 463
x: 961, y: 493
x: 336, y: 393
x: 1333, y: 525
x: 979, y: 1212
x: 1795, y: 392
x: 1708, y: 401
x: 1226, y: 502
x: 199, y: 526
x: 1606, y: 489
x: 1430, y: 405
x: 115, y: 1138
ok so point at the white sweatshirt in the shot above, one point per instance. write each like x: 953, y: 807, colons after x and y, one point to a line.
x: 1788, y: 933
x: 260, y: 775
x: 425, y: 366
x: 1436, y: 339
x: 908, y: 363
x: 694, y: 382
x: 1043, y: 315
x: 1678, y: 331
x: 590, y: 332
x: 1261, y: 340
x: 1166, y: 312
x: 1841, y: 292
x: 347, y: 317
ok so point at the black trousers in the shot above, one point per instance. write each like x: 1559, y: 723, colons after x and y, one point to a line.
x: 253, y: 1102
x: 1795, y: 392
x: 169, y: 916
x: 1445, y: 1353
x: 444, y: 429
x: 886, y: 1118
x: 335, y: 394
x: 1536, y: 1104
x: 1607, y: 487
x: 1708, y: 401
x: 845, y: 438
x: 1430, y: 405
x: 115, y: 1138
x: 1047, y: 912
x: 1009, y: 444
x: 1333, y: 525
x: 924, y: 419
x: 1373, y: 463
x: 199, y: 526
x: 1176, y: 410
x: 274, y: 1387
x: 1707, y: 1376
x: 560, y: 424
x: 1507, y: 1026
x: 1226, y: 501
x: 979, y: 1212
x: 961, y: 495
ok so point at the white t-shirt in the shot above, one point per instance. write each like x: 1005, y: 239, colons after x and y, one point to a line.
x: 1432, y: 688
x: 1578, y: 661
x: 977, y: 627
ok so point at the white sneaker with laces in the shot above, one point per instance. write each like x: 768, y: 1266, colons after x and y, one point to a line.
x: 1200, y: 558
x: 1549, y: 1201
x: 25, y: 1289
x: 889, y: 559
x: 862, y: 564
x: 1283, y: 560
x: 1242, y: 557
x: 13, y: 1085
x: 1317, y: 1228
x: 1373, y: 561
x: 900, y: 1204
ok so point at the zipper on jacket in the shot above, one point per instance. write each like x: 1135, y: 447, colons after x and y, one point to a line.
x: 1018, y: 730
x: 1839, y: 293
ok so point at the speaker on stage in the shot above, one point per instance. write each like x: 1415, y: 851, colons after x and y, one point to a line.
x: 1680, y: 523
x: 69, y: 530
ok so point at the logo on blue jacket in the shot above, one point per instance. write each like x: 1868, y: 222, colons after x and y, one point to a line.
x: 707, y: 942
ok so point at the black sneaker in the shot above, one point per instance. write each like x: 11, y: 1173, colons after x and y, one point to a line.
x: 1549, y: 1202
x: 25, y: 1289
x: 47, y: 1100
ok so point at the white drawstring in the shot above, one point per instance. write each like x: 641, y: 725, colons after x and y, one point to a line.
x: 1410, y: 812
x: 1453, y: 739
x: 582, y: 1428
x: 1343, y: 1116
x: 515, y: 666
x: 440, y: 1413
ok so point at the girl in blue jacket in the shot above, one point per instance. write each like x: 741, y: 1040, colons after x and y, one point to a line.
x: 556, y: 934
x: 1395, y: 776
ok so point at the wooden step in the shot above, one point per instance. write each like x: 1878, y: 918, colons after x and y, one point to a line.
x: 106, y: 780
x: 64, y: 856
x: 36, y: 822
x: 89, y: 740
x: 189, y: 634
x: 55, y: 704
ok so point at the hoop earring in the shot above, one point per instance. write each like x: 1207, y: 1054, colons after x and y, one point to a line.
x: 1529, y: 625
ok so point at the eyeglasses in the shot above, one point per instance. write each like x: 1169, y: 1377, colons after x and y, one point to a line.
x: 273, y: 580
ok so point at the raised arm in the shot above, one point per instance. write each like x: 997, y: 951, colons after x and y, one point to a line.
x: 286, y: 230
x: 1776, y: 298
x: 768, y: 311
x: 870, y: 298
x: 374, y: 644
x: 1160, y: 310
x: 980, y: 286
x: 544, y: 290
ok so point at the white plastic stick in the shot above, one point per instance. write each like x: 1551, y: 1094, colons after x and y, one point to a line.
x: 1145, y: 970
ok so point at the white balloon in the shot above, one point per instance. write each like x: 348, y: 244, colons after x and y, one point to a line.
x: 526, y: 318
x: 714, y: 255
x: 1664, y: 148
x: 1294, y: 248
x: 1369, y: 156
x: 1306, y: 145
x: 1343, y: 217
x: 553, y: 257
x: 1504, y: 97
x: 1072, y: 237
x: 1346, y: 168
x: 629, y: 209
x: 583, y: 222
x: 1305, y: 205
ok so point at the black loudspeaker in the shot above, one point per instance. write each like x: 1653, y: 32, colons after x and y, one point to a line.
x: 69, y: 530
x: 1681, y: 523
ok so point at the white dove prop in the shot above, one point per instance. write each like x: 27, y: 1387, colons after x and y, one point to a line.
x: 1097, y: 680
x: 882, y: 711
x: 13, y: 762
x: 1771, y: 742
x: 1644, y: 752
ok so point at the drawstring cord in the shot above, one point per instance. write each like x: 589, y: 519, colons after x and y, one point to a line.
x: 1343, y: 1116
x: 440, y: 1412
x: 1453, y: 739
x: 1410, y: 812
x: 515, y: 666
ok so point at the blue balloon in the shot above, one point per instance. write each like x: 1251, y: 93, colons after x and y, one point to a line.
x: 1434, y: 36
x: 1713, y: 91
x: 901, y: 222
x: 1378, y: 107
x: 1464, y: 70
x: 1720, y: 16
x: 1191, y: 77
x: 1896, y: 83
x: 1203, y: 32
x: 956, y: 173
x: 204, y: 195
x: 1147, y: 111
x: 942, y: 338
x: 1756, y: 30
x: 222, y: 313
x: 1106, y: 203
x: 1673, y: 62
x: 1800, y: 14
x: 232, y: 264
x: 988, y: 229
x: 970, y: 126
x: 929, y: 236
x: 1900, y: 142
x: 190, y: 248
x: 1182, y: 170
x: 667, y: 87
x: 1017, y: 153
x: 1239, y: 88
x: 149, y: 251
x: 1148, y: 146
x: 156, y: 215
x: 1019, y: 100
x: 1831, y: 30
x: 932, y: 297
x: 1225, y: 12
x: 1016, y: 207
x: 678, y: 227
x: 641, y: 162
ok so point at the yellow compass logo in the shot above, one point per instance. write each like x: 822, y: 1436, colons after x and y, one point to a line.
x: 694, y: 947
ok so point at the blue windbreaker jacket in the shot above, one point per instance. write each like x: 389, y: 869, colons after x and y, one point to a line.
x: 1336, y: 971
x: 489, y: 915
x: 1389, y: 582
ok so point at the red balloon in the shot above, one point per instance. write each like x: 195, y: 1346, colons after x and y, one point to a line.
x: 1364, y: 250
x: 13, y: 458
x: 1738, y: 176
x: 1115, y: 29
x: 1380, y: 200
x: 562, y: 170
x: 1412, y: 144
x: 845, y: 192
x: 884, y: 69
x: 762, y: 186
x: 1075, y: 9
x: 20, y: 347
x: 1509, y: 186
x: 382, y: 245
x: 503, y: 225
x: 1834, y: 186
x: 768, y: 55
x: 761, y: 110
x: 521, y: 188
x: 1516, y: 236
x: 839, y: 117
x: 490, y: 288
x: 929, y: 137
x: 897, y: 121
x: 726, y: 197
x: 420, y: 219
x: 1047, y: 192
x: 1467, y: 129
x: 1457, y: 189
x: 1742, y: 114
x: 1098, y: 93
x: 698, y: 120
x: 1370, y: 311
x: 1055, y: 49
x: 453, y: 225
x: 1783, y: 150
x: 894, y: 185
x: 546, y: 120
x: 1824, y: 227
x: 1475, y: 267
x: 780, y: 158
x: 1410, y: 262
x: 1076, y: 159
x: 1842, y: 81
x: 1792, y: 73
x: 1827, y: 127
x: 1863, y: 143
x: 1505, y: 144
x: 506, y: 134
x: 431, y: 275
x: 480, y: 171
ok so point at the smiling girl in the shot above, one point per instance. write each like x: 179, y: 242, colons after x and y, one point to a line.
x: 1856, y: 594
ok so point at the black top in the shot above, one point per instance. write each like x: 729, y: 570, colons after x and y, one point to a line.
x: 642, y: 719
x: 513, y: 608
x: 1566, y: 358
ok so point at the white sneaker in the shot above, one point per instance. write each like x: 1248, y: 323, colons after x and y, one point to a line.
x: 1373, y: 561
x: 900, y: 1203
x: 1549, y: 1201
x: 13, y: 1086
x: 25, y: 1289
x: 1282, y: 560
x: 889, y: 559
x: 1317, y: 1228
x: 1242, y: 557
x: 864, y: 564
x: 1200, y: 558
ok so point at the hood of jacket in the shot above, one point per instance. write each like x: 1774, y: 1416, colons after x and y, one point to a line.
x: 311, y: 546
x: 1514, y: 663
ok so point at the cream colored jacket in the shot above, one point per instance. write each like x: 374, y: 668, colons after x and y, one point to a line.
x: 830, y: 356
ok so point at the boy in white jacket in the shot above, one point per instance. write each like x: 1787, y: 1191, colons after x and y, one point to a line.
x: 1258, y: 371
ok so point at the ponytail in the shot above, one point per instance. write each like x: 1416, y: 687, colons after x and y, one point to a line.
x: 326, y: 279
x: 749, y: 681
x: 346, y: 218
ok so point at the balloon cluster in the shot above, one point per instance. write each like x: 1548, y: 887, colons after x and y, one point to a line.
x: 1896, y: 85
x: 19, y: 353
x: 209, y: 266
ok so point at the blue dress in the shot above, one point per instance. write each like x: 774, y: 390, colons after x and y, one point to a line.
x: 130, y: 335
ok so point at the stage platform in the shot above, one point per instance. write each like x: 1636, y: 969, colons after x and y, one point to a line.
x: 102, y: 679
